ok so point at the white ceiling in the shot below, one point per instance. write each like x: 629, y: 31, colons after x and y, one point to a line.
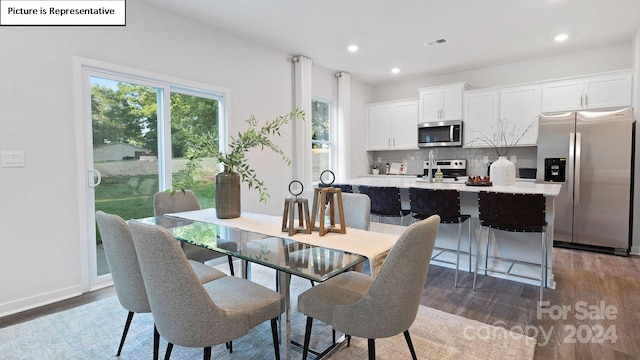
x: 392, y: 33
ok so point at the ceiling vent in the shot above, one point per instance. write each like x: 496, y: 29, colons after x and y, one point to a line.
x: 435, y: 42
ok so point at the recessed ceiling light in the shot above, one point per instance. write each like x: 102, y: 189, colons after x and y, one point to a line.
x: 353, y: 48
x: 561, y: 37
x: 395, y: 70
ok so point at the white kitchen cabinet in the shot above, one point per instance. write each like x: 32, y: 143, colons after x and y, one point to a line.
x: 520, y: 107
x: 587, y: 93
x: 489, y: 112
x: 392, y: 125
x: 441, y: 103
x: 480, y: 118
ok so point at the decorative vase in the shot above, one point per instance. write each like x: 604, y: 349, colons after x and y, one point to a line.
x: 503, y: 172
x: 375, y: 171
x: 227, y: 195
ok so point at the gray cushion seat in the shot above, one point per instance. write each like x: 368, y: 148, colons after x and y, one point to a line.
x: 125, y: 269
x: 359, y: 305
x: 188, y: 313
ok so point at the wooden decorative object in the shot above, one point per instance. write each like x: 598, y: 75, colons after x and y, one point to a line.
x: 289, y: 214
x: 330, y: 197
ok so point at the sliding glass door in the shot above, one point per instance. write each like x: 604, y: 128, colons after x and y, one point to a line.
x: 137, y: 131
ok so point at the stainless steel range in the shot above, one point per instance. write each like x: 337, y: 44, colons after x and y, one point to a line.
x: 451, y: 169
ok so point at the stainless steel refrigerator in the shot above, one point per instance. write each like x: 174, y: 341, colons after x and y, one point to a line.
x: 592, y: 154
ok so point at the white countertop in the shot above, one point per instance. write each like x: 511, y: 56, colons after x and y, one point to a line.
x: 521, y: 187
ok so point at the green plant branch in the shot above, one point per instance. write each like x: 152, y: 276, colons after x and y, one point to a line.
x: 507, y: 140
x: 206, y: 145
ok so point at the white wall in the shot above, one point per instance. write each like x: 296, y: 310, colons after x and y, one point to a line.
x: 586, y: 62
x: 40, y: 256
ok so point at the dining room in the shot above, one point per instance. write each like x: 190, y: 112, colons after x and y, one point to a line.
x: 62, y: 163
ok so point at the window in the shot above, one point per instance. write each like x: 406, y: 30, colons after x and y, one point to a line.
x: 321, y: 137
x: 137, y: 130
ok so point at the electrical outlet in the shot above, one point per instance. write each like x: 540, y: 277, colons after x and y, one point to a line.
x: 12, y: 158
x: 514, y: 159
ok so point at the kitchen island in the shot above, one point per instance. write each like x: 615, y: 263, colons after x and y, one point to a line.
x: 519, y: 246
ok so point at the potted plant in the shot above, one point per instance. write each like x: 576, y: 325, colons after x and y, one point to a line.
x: 375, y: 168
x: 234, y: 162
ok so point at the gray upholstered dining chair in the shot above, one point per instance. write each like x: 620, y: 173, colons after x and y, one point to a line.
x: 165, y: 202
x: 188, y: 313
x: 125, y: 270
x: 359, y: 305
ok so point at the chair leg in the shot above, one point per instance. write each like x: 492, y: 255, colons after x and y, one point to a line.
x: 307, y: 337
x: 410, y: 344
x: 455, y: 278
x: 156, y: 343
x: 230, y: 347
x: 372, y: 349
x: 167, y: 354
x: 274, y: 333
x: 475, y: 273
x: 230, y: 258
x: 207, y: 353
x: 126, y: 330
x: 486, y: 253
x: 469, y: 239
x: 543, y: 266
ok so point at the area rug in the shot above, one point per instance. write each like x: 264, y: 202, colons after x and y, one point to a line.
x: 93, y: 331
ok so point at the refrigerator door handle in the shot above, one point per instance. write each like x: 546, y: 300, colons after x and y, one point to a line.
x: 570, y: 178
x: 577, y: 171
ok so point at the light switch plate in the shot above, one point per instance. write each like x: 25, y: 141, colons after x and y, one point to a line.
x: 514, y: 159
x: 12, y: 158
x: 485, y: 159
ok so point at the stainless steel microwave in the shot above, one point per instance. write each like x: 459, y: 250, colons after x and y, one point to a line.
x: 440, y: 133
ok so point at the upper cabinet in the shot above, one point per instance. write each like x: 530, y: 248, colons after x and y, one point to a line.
x: 518, y: 108
x: 392, y: 125
x: 480, y: 118
x: 441, y: 103
x: 587, y: 93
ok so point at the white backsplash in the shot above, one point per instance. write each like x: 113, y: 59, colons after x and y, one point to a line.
x: 525, y: 158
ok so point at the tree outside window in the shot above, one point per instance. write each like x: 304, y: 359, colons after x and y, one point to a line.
x: 321, y: 137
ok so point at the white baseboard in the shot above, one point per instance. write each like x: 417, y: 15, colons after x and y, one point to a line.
x: 32, y: 302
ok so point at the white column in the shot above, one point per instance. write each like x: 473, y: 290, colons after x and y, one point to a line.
x: 343, y: 145
x: 301, y: 159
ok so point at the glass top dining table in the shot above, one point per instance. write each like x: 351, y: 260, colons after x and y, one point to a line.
x: 287, y: 256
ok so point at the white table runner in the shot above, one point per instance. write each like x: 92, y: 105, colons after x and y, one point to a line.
x: 373, y: 245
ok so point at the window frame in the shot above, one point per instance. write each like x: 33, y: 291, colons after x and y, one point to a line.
x: 332, y: 135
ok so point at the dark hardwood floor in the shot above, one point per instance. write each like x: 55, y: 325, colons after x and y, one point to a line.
x: 578, y: 322
x: 590, y: 287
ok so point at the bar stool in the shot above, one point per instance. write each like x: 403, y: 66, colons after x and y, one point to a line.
x: 385, y: 201
x: 513, y: 213
x: 446, y: 203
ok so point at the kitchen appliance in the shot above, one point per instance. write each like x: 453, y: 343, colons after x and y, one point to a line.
x: 592, y: 154
x: 440, y: 133
x: 555, y: 169
x: 451, y: 169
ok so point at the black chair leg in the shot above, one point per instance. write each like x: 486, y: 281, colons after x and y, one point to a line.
x: 230, y: 347
x: 408, y: 338
x: 126, y: 330
x: 230, y: 258
x: 207, y: 353
x: 167, y: 354
x: 307, y: 337
x: 156, y: 343
x: 274, y: 333
x: 372, y: 349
